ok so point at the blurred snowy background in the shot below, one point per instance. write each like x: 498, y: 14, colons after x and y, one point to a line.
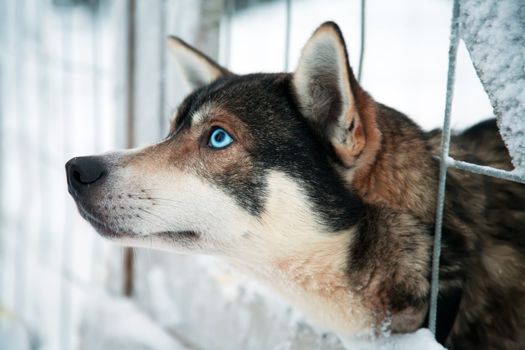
x: 84, y: 76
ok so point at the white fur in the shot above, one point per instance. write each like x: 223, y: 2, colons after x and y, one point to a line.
x: 286, y: 247
x: 184, y: 202
x: 289, y: 245
x: 201, y: 114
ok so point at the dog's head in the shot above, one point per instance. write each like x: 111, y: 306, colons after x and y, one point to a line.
x: 244, y: 155
x: 252, y: 169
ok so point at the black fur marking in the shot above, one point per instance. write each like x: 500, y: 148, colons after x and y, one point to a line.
x: 485, y: 126
x: 361, y: 250
x: 249, y: 191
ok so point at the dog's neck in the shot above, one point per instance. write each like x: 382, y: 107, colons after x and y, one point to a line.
x: 396, y: 169
x: 303, y: 260
x: 312, y: 275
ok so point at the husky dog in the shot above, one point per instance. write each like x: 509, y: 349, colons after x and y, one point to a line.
x: 308, y: 184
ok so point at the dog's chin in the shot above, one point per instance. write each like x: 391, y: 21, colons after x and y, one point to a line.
x: 114, y: 234
x: 100, y: 226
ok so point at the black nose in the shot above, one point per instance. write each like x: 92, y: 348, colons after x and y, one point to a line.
x: 84, y: 171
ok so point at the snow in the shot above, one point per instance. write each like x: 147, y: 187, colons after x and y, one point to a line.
x: 421, y: 339
x: 115, y: 323
x: 217, y: 307
x: 494, y: 33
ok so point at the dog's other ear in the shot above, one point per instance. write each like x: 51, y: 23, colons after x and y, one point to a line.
x: 197, y: 68
x: 331, y: 98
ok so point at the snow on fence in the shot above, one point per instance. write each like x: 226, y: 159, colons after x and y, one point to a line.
x: 84, y: 76
x: 494, y: 34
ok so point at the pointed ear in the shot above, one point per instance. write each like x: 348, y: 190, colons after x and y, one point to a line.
x: 330, y: 97
x: 197, y: 68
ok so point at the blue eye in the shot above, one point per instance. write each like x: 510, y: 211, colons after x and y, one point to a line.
x: 219, y: 139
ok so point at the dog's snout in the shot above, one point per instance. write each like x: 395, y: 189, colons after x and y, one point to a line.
x: 84, y: 171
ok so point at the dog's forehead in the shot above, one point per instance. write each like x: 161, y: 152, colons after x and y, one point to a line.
x: 249, y: 97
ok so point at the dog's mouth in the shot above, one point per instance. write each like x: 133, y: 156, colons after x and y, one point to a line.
x: 100, y: 226
x: 107, y: 231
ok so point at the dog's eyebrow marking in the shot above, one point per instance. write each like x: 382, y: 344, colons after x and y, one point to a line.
x: 189, y: 115
x: 199, y: 115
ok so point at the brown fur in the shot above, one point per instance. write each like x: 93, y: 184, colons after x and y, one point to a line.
x: 388, y: 177
x: 483, y: 249
x: 184, y: 151
x: 484, y: 220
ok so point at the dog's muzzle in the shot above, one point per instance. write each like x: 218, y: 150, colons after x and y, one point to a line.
x: 83, y: 173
